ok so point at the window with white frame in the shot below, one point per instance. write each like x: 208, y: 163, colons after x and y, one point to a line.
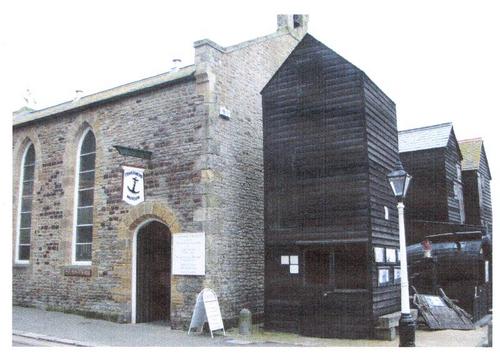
x: 23, y: 244
x: 84, y: 209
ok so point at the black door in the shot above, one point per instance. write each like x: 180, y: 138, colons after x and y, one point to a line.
x: 153, y: 273
x: 335, y: 301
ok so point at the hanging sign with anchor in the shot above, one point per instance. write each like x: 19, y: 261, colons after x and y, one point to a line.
x: 133, y: 185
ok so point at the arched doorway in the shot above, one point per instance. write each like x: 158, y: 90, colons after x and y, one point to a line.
x: 152, y: 264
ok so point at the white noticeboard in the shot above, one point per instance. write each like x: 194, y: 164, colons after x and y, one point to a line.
x: 207, y: 309
x: 188, y: 254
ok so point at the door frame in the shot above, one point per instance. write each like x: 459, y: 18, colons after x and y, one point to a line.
x: 134, y: 265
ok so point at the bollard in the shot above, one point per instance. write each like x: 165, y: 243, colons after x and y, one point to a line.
x: 245, y: 322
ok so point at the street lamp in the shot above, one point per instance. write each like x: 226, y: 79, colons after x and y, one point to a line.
x: 400, y: 180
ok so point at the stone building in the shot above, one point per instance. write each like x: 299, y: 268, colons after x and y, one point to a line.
x: 197, y: 133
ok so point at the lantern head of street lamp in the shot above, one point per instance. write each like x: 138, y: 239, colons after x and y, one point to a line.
x: 400, y: 181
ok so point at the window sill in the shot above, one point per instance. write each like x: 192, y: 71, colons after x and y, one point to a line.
x: 20, y: 265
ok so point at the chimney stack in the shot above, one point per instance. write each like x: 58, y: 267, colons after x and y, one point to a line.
x: 292, y: 22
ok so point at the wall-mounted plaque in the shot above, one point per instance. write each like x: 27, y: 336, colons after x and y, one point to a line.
x: 188, y: 254
x: 133, y: 185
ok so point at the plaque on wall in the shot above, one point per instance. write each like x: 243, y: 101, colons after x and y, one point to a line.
x: 188, y: 254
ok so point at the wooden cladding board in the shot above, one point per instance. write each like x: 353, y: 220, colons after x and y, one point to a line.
x: 330, y: 138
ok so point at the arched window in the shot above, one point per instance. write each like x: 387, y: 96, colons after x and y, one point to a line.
x: 84, y: 209
x: 23, y: 244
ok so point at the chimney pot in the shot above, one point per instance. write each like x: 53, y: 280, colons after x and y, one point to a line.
x: 176, y: 65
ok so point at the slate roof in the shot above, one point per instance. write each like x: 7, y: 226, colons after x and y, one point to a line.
x: 106, y: 95
x: 427, y: 137
x: 471, y: 152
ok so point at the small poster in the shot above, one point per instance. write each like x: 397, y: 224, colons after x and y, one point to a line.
x: 294, y: 269
x: 397, y: 274
x: 383, y: 276
x: 133, y: 185
x: 390, y: 255
x: 285, y: 260
x: 379, y: 254
x: 188, y: 254
x: 294, y: 260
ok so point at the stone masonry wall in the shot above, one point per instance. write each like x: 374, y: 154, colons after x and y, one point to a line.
x: 166, y: 121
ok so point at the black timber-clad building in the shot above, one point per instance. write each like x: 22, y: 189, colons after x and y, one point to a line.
x: 435, y: 201
x: 476, y: 179
x: 330, y: 138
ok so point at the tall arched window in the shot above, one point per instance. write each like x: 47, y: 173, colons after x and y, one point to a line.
x: 23, y: 244
x: 84, y: 210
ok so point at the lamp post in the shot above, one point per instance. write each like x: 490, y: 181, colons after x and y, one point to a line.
x: 400, y: 180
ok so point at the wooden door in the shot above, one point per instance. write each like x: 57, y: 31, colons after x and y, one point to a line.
x: 153, y: 273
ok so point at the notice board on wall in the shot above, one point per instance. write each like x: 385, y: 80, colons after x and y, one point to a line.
x: 188, y: 254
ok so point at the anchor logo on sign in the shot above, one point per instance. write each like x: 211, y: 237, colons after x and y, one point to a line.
x: 135, y: 180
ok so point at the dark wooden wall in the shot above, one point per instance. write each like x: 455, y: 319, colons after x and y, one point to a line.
x: 471, y: 197
x: 452, y: 158
x: 330, y: 138
x: 476, y: 213
x: 426, y: 198
x: 314, y: 152
x: 382, y: 149
x: 486, y: 206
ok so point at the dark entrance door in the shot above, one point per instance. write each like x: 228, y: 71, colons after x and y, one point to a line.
x: 335, y: 301
x: 153, y: 273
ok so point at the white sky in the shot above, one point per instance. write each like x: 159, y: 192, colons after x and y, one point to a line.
x: 438, y: 60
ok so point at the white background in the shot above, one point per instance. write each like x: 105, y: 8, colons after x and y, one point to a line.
x: 438, y: 60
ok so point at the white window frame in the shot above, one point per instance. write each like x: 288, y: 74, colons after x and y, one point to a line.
x: 76, y: 198
x: 20, y: 204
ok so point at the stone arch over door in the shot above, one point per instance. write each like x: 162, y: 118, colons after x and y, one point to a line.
x: 138, y: 216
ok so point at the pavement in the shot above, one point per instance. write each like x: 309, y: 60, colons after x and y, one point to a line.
x: 36, y: 327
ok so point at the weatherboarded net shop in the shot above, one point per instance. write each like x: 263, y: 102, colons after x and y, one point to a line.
x: 331, y: 231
